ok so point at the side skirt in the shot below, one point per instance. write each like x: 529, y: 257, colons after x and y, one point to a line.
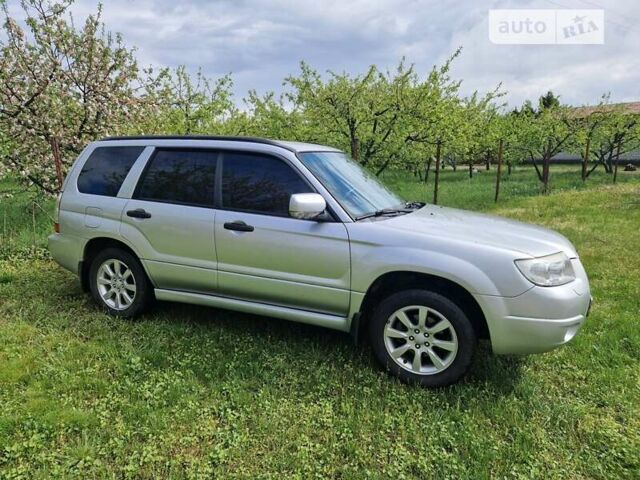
x: 303, y: 316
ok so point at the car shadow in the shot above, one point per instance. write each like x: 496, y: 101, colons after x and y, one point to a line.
x: 495, y: 375
x: 501, y: 372
x: 269, y: 352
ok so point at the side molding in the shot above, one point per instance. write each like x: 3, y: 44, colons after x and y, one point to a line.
x: 333, y: 322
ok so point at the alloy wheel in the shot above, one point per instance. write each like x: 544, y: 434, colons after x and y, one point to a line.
x: 420, y: 339
x: 116, y: 284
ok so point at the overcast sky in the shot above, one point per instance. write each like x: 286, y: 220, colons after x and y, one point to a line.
x: 262, y: 41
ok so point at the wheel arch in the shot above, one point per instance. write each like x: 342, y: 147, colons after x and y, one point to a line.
x: 95, y: 246
x: 397, y: 281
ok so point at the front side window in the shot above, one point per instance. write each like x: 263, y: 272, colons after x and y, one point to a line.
x: 180, y: 176
x: 106, y: 168
x: 358, y: 191
x: 259, y: 183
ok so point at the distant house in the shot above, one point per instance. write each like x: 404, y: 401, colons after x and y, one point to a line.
x: 627, y: 107
x: 569, y: 158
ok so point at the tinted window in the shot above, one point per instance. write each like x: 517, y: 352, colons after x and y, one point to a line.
x: 259, y: 184
x: 180, y: 176
x: 106, y: 168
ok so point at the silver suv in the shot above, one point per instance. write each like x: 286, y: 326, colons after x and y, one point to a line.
x: 301, y: 232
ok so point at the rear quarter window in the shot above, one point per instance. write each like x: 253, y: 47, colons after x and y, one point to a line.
x: 106, y: 168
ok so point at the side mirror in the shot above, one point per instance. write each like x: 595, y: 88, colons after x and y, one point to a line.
x: 306, y: 206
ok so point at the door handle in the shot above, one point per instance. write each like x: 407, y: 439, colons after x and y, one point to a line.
x: 138, y: 213
x: 239, y: 226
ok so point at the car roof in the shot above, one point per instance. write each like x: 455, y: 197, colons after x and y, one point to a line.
x: 295, y: 147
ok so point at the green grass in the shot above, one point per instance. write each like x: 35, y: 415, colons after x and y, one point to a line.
x: 195, y: 392
x: 456, y: 189
x: 26, y: 218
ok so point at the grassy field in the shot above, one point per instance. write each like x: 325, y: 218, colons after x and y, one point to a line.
x: 199, y: 393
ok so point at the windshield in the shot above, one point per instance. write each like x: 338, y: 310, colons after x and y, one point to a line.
x: 353, y: 187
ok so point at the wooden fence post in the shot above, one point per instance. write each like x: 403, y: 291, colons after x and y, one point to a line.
x: 437, y: 173
x: 585, y: 160
x: 33, y: 223
x: 615, y: 168
x: 4, y: 224
x: 499, y: 170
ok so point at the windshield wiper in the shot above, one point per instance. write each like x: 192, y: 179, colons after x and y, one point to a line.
x: 408, y: 208
x: 384, y: 211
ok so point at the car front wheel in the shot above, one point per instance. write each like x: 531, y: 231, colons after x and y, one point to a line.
x: 422, y: 337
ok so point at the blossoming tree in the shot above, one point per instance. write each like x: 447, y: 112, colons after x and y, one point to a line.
x: 60, y: 87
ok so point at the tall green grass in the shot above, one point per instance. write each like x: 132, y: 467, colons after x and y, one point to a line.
x: 190, y: 392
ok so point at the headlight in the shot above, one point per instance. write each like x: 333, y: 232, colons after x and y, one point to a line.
x: 547, y: 271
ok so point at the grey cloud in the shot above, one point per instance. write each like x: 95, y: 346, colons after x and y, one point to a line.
x: 260, y: 42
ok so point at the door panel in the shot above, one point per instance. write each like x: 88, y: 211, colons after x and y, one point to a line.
x: 290, y: 294
x: 171, y: 218
x: 284, y: 261
x: 176, y: 243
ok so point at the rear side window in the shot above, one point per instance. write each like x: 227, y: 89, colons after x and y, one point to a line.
x: 259, y: 183
x: 180, y: 176
x: 106, y: 168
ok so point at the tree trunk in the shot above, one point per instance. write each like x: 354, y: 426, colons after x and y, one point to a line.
x: 545, y: 173
x: 615, y: 168
x: 608, y: 162
x: 508, y: 168
x: 355, y: 148
x: 470, y: 170
x: 426, y: 170
x: 498, y: 172
x: 537, y: 169
x: 57, y: 160
x: 598, y: 162
x: 383, y: 167
x: 585, y: 160
x: 437, y: 173
x: 487, y: 161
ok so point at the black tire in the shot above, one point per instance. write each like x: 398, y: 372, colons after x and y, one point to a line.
x: 143, y: 295
x: 458, y: 361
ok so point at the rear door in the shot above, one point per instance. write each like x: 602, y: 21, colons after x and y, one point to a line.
x: 265, y: 255
x: 170, y: 219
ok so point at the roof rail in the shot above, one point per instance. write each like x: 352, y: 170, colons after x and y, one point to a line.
x: 266, y: 141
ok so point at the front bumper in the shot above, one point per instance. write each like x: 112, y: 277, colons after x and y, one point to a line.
x: 521, y: 335
x: 540, y: 319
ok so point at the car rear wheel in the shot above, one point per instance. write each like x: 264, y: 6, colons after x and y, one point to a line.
x: 422, y: 337
x: 119, y: 284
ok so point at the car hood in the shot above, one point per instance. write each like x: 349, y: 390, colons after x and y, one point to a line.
x: 471, y: 227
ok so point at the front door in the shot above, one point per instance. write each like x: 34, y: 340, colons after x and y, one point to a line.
x: 266, y: 256
x: 170, y: 219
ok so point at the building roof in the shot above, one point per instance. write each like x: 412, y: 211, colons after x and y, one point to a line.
x: 572, y: 157
x: 627, y: 107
